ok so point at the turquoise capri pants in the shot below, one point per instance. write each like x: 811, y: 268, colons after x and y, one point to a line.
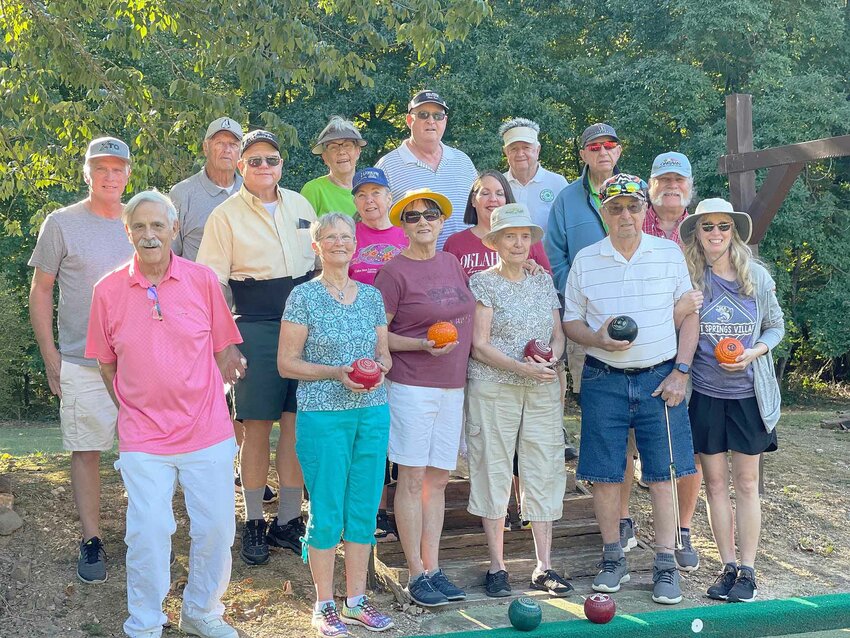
x: 342, y: 455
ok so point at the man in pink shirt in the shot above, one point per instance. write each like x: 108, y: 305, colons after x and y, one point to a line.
x: 164, y: 339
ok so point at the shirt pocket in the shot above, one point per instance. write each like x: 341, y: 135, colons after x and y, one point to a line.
x: 305, y: 242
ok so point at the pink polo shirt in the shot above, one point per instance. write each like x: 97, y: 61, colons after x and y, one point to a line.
x: 167, y: 382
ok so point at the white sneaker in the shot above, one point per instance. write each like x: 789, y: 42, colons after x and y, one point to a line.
x: 209, y: 628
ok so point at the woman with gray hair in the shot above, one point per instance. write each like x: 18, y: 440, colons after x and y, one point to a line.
x: 331, y: 325
x: 339, y: 144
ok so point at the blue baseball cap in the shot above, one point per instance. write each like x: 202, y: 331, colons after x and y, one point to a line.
x: 369, y: 176
x: 671, y: 162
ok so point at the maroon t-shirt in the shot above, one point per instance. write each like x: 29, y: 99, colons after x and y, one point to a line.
x: 419, y: 294
x: 474, y: 256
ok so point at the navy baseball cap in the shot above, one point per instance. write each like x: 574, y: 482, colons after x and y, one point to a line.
x: 255, y: 137
x: 426, y: 97
x: 369, y: 176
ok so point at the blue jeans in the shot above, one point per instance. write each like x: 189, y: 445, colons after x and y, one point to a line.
x: 611, y: 403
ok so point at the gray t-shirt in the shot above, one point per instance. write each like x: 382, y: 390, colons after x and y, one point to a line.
x: 195, y: 198
x: 78, y: 248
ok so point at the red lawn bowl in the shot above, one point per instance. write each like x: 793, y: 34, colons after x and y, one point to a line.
x: 539, y: 348
x: 599, y: 608
x: 366, y: 372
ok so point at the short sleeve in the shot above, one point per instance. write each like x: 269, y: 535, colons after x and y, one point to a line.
x: 548, y: 287
x: 216, y: 250
x: 376, y: 303
x: 296, y: 309
x: 683, y: 278
x: 575, y: 302
x: 49, y: 248
x: 98, y: 339
x: 482, y: 288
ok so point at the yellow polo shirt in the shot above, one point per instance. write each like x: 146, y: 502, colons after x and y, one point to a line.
x: 242, y: 240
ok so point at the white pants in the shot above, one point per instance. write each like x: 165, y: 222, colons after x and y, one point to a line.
x: 206, y: 477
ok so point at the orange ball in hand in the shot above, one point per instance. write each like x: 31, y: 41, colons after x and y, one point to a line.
x: 442, y: 334
x: 728, y: 349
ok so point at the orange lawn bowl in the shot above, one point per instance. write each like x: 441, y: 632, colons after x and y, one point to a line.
x: 728, y: 349
x: 442, y: 334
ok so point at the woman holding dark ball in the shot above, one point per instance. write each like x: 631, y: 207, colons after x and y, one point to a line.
x: 734, y: 406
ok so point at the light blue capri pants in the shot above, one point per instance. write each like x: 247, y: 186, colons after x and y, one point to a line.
x: 342, y: 455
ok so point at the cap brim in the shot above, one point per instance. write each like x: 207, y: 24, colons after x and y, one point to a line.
x: 442, y: 201
x: 96, y: 155
x: 227, y: 130
x: 743, y: 224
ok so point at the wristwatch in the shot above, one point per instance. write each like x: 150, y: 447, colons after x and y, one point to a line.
x: 684, y: 368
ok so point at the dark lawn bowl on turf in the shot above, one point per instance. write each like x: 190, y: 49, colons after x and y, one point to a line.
x: 623, y: 328
x: 525, y: 614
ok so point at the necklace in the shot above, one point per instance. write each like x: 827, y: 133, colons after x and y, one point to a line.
x: 340, y: 294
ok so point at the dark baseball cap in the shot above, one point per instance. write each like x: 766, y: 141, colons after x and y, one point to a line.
x: 369, y: 175
x: 426, y: 97
x: 255, y: 137
x: 598, y: 130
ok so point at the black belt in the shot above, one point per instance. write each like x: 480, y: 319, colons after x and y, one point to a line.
x: 263, y: 299
x: 601, y: 365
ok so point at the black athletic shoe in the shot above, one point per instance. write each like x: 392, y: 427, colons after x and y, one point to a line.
x: 288, y: 536
x: 552, y: 582
x: 744, y: 590
x: 269, y: 495
x: 723, y: 583
x: 385, y: 531
x: 254, y: 550
x: 497, y: 585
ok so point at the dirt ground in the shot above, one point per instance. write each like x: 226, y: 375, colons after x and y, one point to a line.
x: 805, y: 547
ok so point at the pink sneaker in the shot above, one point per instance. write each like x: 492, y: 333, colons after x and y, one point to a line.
x: 326, y: 621
x: 365, y: 615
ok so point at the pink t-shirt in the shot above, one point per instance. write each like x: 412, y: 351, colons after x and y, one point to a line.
x: 374, y: 249
x: 167, y: 382
x: 420, y: 293
x: 474, y: 256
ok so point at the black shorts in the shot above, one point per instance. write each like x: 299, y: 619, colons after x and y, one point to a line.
x: 262, y: 395
x: 721, y: 425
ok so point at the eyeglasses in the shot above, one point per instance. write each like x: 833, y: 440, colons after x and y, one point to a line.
x: 336, y: 147
x: 156, y: 311
x: 617, y: 209
x: 332, y: 239
x: 608, y: 145
x: 622, y: 188
x: 424, y: 115
x: 430, y: 215
x: 724, y: 227
x: 256, y: 162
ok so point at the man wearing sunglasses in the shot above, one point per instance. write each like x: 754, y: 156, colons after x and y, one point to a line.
x: 77, y: 246
x: 632, y: 385
x: 258, y: 242
x: 423, y: 161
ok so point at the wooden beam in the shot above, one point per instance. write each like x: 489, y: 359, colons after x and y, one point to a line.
x: 780, y: 155
x: 739, y: 139
x: 770, y: 197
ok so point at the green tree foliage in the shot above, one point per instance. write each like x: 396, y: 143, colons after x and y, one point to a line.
x: 155, y: 72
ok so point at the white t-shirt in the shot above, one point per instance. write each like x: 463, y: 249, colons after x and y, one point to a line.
x: 538, y: 194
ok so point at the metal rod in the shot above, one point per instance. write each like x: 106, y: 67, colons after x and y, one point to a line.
x: 674, y: 488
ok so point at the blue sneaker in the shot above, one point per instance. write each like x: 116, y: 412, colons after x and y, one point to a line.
x: 423, y: 593
x: 442, y: 584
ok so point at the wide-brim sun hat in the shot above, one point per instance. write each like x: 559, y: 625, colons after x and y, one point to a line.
x: 420, y: 193
x: 511, y: 216
x: 743, y: 222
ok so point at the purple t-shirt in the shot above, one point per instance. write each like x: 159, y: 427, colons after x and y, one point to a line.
x: 725, y: 313
x: 420, y: 293
x: 374, y: 249
x: 475, y: 257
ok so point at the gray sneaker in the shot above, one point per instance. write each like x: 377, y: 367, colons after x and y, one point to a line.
x: 666, y: 590
x: 91, y: 565
x: 687, y: 558
x: 627, y: 534
x: 614, y: 572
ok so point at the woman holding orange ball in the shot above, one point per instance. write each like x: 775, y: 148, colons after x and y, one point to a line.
x: 422, y: 287
x: 735, y: 402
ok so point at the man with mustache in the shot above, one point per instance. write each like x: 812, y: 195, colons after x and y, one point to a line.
x: 164, y: 339
x: 76, y: 246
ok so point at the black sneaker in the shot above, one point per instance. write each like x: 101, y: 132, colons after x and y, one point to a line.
x: 570, y: 453
x: 269, y: 495
x: 552, y: 582
x: 385, y: 531
x: 288, y: 536
x: 442, y: 584
x: 744, y: 590
x: 91, y: 564
x: 497, y: 585
x: 254, y: 550
x: 723, y: 583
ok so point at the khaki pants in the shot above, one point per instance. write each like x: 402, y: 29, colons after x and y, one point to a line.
x: 575, y: 363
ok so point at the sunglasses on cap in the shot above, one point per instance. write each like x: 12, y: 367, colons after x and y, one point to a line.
x: 256, y: 162
x: 430, y: 215
x: 623, y: 188
x: 608, y: 145
x: 424, y: 115
x: 724, y: 227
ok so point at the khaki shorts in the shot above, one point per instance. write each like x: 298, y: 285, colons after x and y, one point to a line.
x: 87, y: 414
x: 502, y: 419
x: 575, y: 363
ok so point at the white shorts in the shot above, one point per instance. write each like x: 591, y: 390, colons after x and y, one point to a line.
x: 87, y: 414
x: 425, y: 425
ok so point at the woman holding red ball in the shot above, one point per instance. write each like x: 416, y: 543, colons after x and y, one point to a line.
x: 735, y: 402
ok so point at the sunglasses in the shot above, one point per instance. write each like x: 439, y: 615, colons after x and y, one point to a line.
x: 430, y: 215
x: 724, y: 227
x: 256, y: 162
x: 156, y: 311
x: 608, y: 145
x: 623, y: 188
x: 424, y: 115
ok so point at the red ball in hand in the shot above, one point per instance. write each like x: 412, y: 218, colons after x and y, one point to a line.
x: 539, y: 348
x: 366, y: 372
